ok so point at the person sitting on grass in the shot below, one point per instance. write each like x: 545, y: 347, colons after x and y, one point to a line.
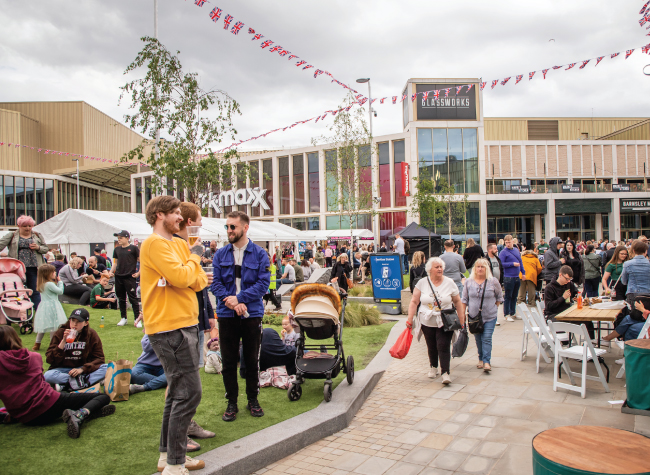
x: 273, y: 352
x: 288, y: 333
x: 149, y: 375
x: 98, y: 297
x: 30, y: 400
x: 83, y: 356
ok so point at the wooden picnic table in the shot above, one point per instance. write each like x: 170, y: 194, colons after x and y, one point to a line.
x: 588, y: 314
x: 573, y: 450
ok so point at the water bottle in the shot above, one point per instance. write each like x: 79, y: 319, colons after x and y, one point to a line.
x: 101, y: 322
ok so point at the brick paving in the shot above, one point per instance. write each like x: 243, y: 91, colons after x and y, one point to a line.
x: 480, y: 424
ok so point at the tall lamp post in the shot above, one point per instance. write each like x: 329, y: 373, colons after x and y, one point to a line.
x: 373, y: 162
x: 77, y: 175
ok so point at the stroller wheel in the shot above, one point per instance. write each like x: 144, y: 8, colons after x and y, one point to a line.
x: 350, y: 369
x: 327, y: 391
x: 23, y: 329
x: 294, y: 392
x: 30, y: 328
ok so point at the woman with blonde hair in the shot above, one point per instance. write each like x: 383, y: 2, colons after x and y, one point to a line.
x: 482, y: 296
x: 73, y: 285
x: 431, y: 295
x: 417, y: 270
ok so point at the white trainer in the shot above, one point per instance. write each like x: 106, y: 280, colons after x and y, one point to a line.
x: 508, y: 319
x: 517, y: 317
x: 498, y: 324
x: 446, y: 379
x: 190, y: 464
x: 433, y: 372
x: 139, y: 325
x: 621, y: 361
x: 122, y: 322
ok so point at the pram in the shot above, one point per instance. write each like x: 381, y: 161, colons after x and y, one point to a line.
x: 14, y: 297
x: 316, y: 309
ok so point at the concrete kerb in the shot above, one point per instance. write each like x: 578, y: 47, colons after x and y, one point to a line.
x: 281, y: 440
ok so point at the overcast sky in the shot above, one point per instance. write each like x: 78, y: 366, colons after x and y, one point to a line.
x: 59, y: 50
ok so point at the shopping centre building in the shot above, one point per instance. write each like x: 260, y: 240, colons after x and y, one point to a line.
x: 534, y: 178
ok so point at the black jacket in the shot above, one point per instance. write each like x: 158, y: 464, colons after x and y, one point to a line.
x: 500, y: 268
x: 553, y: 299
x: 206, y: 312
x: 471, y: 254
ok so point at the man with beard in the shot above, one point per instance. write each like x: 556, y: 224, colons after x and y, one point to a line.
x: 171, y: 276
x: 241, y: 278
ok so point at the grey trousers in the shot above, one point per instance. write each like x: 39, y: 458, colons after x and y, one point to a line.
x: 178, y: 352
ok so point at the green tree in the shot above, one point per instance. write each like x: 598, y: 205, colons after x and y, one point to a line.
x: 169, y: 100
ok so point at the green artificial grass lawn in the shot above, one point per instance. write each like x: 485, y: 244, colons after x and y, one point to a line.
x: 127, y: 442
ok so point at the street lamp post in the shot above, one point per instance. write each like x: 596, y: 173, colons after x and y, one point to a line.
x: 373, y: 167
x: 77, y: 175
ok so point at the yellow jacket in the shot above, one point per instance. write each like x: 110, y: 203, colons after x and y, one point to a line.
x: 531, y: 266
x: 173, y: 305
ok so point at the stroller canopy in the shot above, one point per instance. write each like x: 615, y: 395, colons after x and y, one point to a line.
x: 316, y: 301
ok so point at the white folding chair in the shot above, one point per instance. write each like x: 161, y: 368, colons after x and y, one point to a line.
x: 530, y: 330
x: 584, y: 352
x: 643, y: 334
x: 546, y: 337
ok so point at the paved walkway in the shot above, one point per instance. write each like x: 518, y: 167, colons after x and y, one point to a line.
x: 480, y: 424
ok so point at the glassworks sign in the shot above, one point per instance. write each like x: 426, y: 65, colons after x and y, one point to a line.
x: 461, y: 106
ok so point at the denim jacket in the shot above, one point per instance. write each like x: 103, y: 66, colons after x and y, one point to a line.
x: 255, y: 279
x: 636, y: 274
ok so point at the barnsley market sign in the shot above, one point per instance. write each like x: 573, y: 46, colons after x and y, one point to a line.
x: 243, y: 196
x: 635, y: 205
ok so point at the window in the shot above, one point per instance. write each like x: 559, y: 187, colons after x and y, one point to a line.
x: 147, y: 191
x: 522, y: 228
x: 314, y: 180
x: 298, y: 184
x: 30, y: 208
x: 399, y: 157
x: 20, y: 196
x: 360, y: 221
x: 255, y: 182
x: 10, y: 207
x: 365, y: 177
x: 313, y: 223
x: 470, y: 160
x: 605, y: 221
x: 332, y: 190
x: 241, y: 183
x: 267, y: 170
x: 138, y: 195
x: 285, y: 200
x: 384, y: 175
x: 2, y: 201
x: 299, y: 223
x: 40, y: 200
x: 391, y: 223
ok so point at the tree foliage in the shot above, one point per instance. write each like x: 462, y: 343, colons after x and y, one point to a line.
x: 171, y: 101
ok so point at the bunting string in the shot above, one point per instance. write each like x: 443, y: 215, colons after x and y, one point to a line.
x: 48, y: 151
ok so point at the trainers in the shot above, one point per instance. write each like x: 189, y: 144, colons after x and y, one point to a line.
x: 621, y: 361
x: 231, y: 412
x: 254, y: 407
x: 58, y: 388
x: 177, y: 470
x: 433, y: 372
x: 497, y: 323
x: 136, y: 388
x: 509, y: 319
x: 517, y: 317
x: 195, y: 430
x: 139, y: 325
x: 190, y: 464
x: 122, y: 322
x: 446, y: 379
x: 191, y: 446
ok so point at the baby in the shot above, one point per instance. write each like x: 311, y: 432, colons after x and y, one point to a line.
x: 288, y: 335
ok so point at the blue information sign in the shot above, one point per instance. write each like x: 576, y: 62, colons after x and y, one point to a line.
x: 386, y: 271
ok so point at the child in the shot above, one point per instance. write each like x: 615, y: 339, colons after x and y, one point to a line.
x: 288, y: 334
x: 84, y: 356
x: 30, y: 400
x: 98, y: 297
x: 50, y: 313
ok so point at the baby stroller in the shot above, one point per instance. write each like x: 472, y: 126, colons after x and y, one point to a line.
x: 14, y: 297
x: 316, y: 309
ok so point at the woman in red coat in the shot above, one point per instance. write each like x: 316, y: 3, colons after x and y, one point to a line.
x: 31, y: 400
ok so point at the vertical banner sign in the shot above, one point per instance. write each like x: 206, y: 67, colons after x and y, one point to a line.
x: 386, y: 271
x: 406, y: 182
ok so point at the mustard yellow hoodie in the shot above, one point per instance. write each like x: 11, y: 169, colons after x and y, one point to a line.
x: 173, y: 305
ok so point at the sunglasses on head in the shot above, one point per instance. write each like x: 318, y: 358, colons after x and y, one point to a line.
x: 231, y: 226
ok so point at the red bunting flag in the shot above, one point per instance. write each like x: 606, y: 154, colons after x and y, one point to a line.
x: 381, y: 101
x: 531, y: 74
x: 413, y: 96
x: 318, y: 72
x: 570, y: 66
x: 199, y: 2
x: 644, y: 7
x: 275, y: 48
x: 628, y: 53
x: 558, y: 67
x: 291, y: 56
x: 458, y: 89
x: 215, y: 14
x: 301, y: 62
x: 403, y: 97
x: 469, y: 87
x: 494, y: 83
x: 614, y: 55
x: 646, y: 49
x: 425, y: 96
x: 238, y: 26
x: 266, y: 44
x: 394, y: 99
x: 483, y: 85
x: 307, y: 67
x: 226, y: 21
x: 447, y: 92
x: 599, y: 59
x: 519, y: 78
x: 436, y: 94
x: 257, y: 37
x: 584, y: 63
x: 544, y: 71
x: 503, y: 83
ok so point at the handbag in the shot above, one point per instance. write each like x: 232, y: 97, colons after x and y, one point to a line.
x: 450, y: 320
x: 475, y: 324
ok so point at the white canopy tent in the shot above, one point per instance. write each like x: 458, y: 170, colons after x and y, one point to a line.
x: 342, y: 234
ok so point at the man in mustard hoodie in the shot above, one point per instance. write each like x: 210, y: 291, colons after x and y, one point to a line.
x: 170, y: 276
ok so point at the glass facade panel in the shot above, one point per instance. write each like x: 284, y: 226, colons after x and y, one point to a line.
x: 576, y: 227
x: 138, y: 195
x: 521, y: 227
x: 19, y: 191
x: 455, y: 144
x: 399, y: 157
x: 299, y: 223
x: 2, y: 201
x: 10, y: 206
x: 267, y: 177
x: 313, y: 223
x: 285, y: 200
x: 298, y: 184
x: 384, y: 174
x: 333, y: 222
x: 147, y: 191
x: 470, y: 160
x: 255, y: 182
x: 314, y: 182
x: 331, y: 190
x: 40, y: 200
x: 391, y: 223
x: 365, y: 177
x: 241, y: 183
x: 425, y: 154
x: 605, y: 221
x: 440, y: 168
x: 30, y: 207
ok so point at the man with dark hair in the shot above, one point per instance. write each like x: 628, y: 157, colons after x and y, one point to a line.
x: 559, y: 294
x: 636, y: 272
x: 454, y: 265
x: 100, y: 259
x: 124, y: 268
x: 59, y: 262
x: 241, y: 278
x: 171, y: 276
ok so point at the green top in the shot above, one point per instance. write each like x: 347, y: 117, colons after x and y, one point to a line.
x: 542, y: 248
x: 615, y: 271
x: 98, y: 291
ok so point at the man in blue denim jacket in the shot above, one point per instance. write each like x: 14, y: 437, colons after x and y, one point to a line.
x: 241, y: 278
x: 636, y: 272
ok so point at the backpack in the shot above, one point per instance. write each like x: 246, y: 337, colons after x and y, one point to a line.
x: 417, y: 278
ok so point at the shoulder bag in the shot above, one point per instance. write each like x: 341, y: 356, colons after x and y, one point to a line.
x: 475, y: 324
x: 450, y: 320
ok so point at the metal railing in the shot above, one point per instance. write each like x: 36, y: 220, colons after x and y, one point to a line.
x: 557, y: 188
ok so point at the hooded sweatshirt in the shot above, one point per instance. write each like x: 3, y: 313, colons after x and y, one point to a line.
x: 24, y: 391
x: 531, y: 265
x: 85, y: 352
x: 552, y: 262
x: 553, y: 297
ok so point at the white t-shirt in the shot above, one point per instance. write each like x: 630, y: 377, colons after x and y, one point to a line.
x: 399, y: 246
x: 239, y: 258
x: 429, y: 315
x: 291, y: 272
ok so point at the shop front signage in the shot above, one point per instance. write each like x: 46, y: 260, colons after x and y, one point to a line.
x: 621, y: 187
x: 244, y: 196
x: 447, y: 106
x: 570, y: 188
x: 406, y: 182
x: 635, y: 205
x: 516, y: 189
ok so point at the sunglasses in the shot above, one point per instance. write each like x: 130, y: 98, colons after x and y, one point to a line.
x: 231, y: 226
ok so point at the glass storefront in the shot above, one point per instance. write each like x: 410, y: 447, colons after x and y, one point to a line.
x: 634, y: 225
x: 391, y: 223
x: 576, y: 227
x: 399, y: 157
x: 521, y: 227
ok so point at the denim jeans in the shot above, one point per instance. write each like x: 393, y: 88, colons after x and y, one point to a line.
x: 405, y: 258
x: 484, y: 341
x: 201, y: 343
x: 591, y: 287
x: 178, y: 352
x: 151, y: 377
x: 286, y: 281
x: 511, y: 285
x: 60, y: 375
x: 30, y: 280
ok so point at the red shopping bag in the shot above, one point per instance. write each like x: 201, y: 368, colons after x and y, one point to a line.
x: 401, y: 347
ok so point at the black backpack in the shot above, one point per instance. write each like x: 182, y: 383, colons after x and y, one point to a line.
x: 417, y: 278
